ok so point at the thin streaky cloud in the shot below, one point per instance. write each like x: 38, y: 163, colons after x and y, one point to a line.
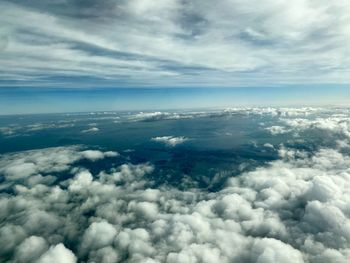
x: 177, y: 43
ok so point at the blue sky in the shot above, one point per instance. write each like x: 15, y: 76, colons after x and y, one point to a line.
x: 53, y: 100
x: 119, y: 44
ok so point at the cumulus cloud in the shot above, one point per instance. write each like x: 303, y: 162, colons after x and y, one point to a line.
x: 111, y: 154
x: 24, y: 165
x: 58, y: 254
x: 335, y: 122
x: 31, y: 249
x: 93, y: 155
x: 152, y: 116
x: 272, y: 250
x: 82, y: 180
x: 17, y: 166
x: 171, y: 141
x: 163, y: 115
x: 98, y: 235
x: 258, y: 111
x: 293, y: 209
x: 91, y: 130
x: 269, y: 145
x: 276, y: 111
x: 274, y: 130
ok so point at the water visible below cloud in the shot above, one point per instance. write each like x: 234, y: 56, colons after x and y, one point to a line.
x: 175, y: 183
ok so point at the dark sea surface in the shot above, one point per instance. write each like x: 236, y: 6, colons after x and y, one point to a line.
x: 216, y: 143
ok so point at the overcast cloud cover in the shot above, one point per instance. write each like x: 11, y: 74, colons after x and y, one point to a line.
x: 53, y: 208
x: 174, y: 42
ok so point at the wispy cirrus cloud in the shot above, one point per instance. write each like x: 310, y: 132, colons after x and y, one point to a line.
x: 174, y: 43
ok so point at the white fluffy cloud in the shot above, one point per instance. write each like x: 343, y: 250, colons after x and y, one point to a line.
x: 98, y: 235
x: 31, y: 249
x: 23, y: 165
x: 93, y: 155
x: 58, y: 254
x: 152, y: 116
x: 91, y: 130
x: 274, y: 130
x: 336, y: 122
x: 171, y: 141
x: 294, y: 209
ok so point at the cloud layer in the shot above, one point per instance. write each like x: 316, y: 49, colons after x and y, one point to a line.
x: 88, y: 120
x: 175, y: 42
x: 53, y: 209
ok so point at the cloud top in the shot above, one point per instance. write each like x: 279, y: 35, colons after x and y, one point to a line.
x: 76, y: 204
x: 292, y: 210
x: 170, y: 141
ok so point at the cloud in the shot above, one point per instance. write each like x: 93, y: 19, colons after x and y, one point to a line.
x: 285, y: 114
x: 293, y: 209
x: 258, y: 111
x: 274, y: 130
x: 91, y: 130
x: 16, y: 130
x: 82, y: 180
x: 269, y: 145
x: 93, y: 155
x: 52, y: 160
x: 31, y: 248
x: 111, y: 154
x: 272, y: 250
x: 155, y: 116
x: 17, y: 166
x: 175, y: 43
x: 170, y: 141
x: 58, y: 254
x: 98, y: 235
x: 336, y: 122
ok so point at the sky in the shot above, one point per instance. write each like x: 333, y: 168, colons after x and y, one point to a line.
x: 57, y: 100
x: 236, y: 44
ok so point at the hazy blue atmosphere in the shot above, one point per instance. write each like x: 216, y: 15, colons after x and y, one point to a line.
x: 174, y: 131
x: 56, y: 100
